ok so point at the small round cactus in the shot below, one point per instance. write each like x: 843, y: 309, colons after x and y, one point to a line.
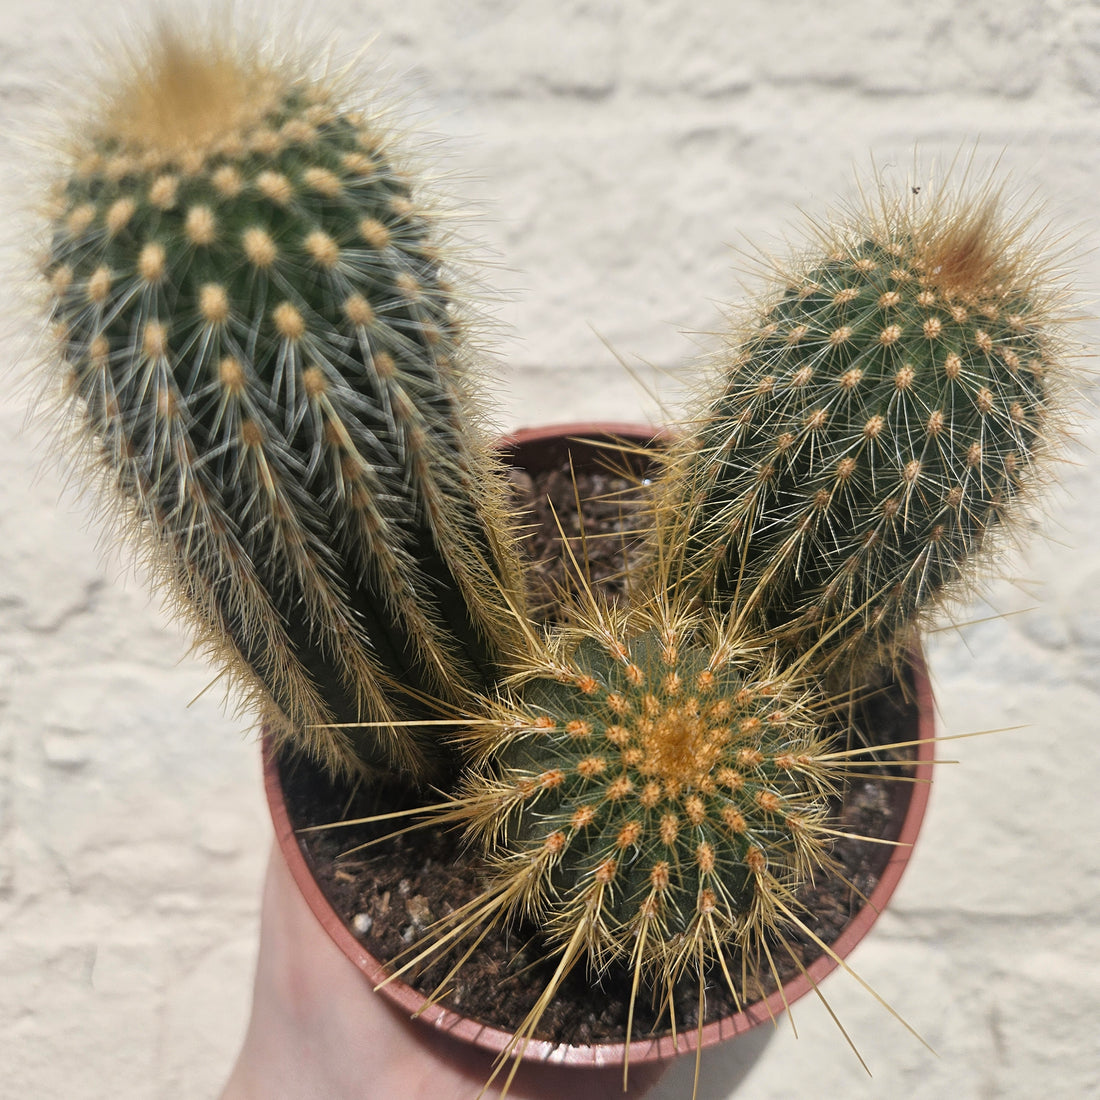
x: 652, y: 792
x: 261, y: 343
x: 876, y: 425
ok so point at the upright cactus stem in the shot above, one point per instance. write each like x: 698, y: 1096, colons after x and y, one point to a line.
x: 260, y: 342
x: 873, y: 429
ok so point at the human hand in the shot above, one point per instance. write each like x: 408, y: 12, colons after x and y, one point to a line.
x: 320, y: 1032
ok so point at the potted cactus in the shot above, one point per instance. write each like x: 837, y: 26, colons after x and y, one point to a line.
x: 264, y: 359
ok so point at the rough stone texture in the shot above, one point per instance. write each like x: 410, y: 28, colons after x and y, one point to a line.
x: 617, y: 149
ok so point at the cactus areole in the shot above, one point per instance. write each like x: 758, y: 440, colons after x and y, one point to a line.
x: 249, y: 296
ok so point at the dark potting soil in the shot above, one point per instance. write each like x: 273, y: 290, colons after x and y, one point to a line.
x: 389, y: 894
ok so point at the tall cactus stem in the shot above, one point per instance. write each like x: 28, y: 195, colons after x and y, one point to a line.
x: 252, y: 299
x: 887, y: 411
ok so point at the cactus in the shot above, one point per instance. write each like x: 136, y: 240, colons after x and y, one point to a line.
x: 262, y: 349
x: 873, y: 429
x: 264, y: 362
x: 652, y: 791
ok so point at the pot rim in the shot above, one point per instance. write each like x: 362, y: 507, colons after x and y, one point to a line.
x: 642, y: 1049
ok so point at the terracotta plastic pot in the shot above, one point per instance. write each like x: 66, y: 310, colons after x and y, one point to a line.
x: 535, y: 450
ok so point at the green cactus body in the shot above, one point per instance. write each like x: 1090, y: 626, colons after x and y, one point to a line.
x: 653, y: 794
x: 870, y: 433
x: 262, y: 345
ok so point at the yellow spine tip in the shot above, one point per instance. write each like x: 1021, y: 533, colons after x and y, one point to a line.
x: 358, y: 311
x: 323, y: 181
x: 119, y: 215
x: 275, y: 186
x: 214, y: 303
x: 298, y: 131
x: 227, y: 181
x: 231, y: 375
x: 259, y: 247
x: 154, y: 339
x: 385, y: 366
x: 408, y: 286
x: 200, y: 225
x: 164, y: 192
x: 61, y: 280
x: 323, y: 249
x: 314, y: 382
x: 289, y: 322
x: 151, y: 262
x: 80, y: 219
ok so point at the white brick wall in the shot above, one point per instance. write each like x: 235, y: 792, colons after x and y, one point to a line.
x: 618, y: 148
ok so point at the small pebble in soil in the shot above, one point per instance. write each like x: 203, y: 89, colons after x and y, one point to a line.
x: 421, y: 912
x: 362, y: 923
